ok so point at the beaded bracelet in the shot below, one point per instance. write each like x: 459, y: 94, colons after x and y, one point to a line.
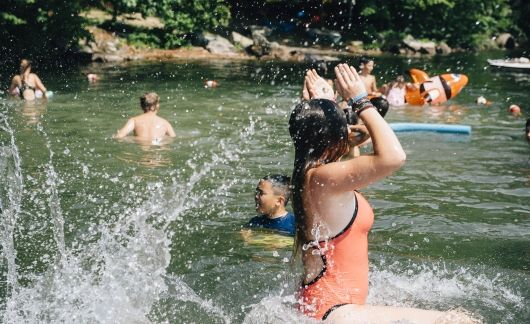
x: 360, y: 105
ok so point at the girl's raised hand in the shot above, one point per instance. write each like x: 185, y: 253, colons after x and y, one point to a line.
x: 315, y: 87
x: 349, y: 84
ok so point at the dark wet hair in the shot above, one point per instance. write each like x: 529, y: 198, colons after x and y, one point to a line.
x: 381, y: 104
x: 319, y: 133
x: 527, y: 127
x: 281, y: 185
x: 366, y: 60
x: 24, y: 66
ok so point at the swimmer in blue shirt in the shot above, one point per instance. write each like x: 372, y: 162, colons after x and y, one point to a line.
x: 272, y: 195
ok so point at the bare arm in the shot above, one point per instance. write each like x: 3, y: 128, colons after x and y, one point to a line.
x: 39, y: 85
x: 374, y: 86
x: 125, y: 130
x: 169, y: 130
x: 357, y: 173
x: 13, y: 86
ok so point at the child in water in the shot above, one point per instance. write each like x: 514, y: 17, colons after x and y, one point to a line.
x: 367, y: 66
x: 332, y: 218
x: 272, y: 195
x: 27, y: 85
x: 147, y: 125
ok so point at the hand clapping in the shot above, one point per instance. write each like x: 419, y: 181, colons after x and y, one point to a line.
x: 348, y: 83
x: 315, y: 87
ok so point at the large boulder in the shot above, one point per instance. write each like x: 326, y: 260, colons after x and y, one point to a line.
x: 245, y: 42
x: 323, y: 35
x: 505, y: 40
x: 218, y: 45
x: 443, y: 48
x: 261, y: 45
x: 423, y: 47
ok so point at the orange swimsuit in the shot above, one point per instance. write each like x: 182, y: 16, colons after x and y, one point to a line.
x: 344, y: 277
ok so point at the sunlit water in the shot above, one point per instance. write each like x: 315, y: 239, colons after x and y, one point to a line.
x: 96, y: 230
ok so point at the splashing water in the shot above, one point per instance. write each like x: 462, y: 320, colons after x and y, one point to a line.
x: 10, y: 201
x: 120, y: 276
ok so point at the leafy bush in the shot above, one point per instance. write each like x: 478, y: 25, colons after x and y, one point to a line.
x: 144, y: 40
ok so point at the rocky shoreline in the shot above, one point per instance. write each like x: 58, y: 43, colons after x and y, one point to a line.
x: 108, y: 47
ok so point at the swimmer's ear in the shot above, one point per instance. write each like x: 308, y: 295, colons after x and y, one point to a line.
x: 281, y: 200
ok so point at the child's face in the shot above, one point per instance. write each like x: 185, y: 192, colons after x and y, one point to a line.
x: 368, y: 67
x: 266, y: 201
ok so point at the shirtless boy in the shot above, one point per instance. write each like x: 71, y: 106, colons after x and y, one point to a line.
x: 367, y: 66
x: 147, y: 125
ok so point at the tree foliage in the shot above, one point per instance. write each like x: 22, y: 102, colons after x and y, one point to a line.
x: 39, y: 28
x: 50, y: 28
x: 185, y: 17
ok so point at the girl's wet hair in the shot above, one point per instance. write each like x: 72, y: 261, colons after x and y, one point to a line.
x: 319, y: 133
x: 24, y: 65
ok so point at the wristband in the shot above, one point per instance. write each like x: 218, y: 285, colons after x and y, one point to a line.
x: 359, y: 96
x: 360, y: 105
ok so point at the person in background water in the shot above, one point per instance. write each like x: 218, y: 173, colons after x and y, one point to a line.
x: 272, y: 195
x: 148, y: 125
x: 395, y: 92
x: 515, y: 110
x: 367, y: 66
x: 27, y: 85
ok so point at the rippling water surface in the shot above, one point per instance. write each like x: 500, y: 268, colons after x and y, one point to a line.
x: 99, y: 230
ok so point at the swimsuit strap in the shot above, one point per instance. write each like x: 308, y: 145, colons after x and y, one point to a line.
x: 323, y: 255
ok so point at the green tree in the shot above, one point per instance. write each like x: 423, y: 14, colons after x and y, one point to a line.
x: 185, y: 17
x: 42, y: 29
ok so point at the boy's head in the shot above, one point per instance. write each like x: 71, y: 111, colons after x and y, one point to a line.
x: 366, y: 64
x: 272, y: 194
x: 149, y: 102
x: 381, y: 104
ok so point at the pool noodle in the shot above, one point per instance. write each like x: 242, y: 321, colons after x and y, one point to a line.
x: 439, y: 128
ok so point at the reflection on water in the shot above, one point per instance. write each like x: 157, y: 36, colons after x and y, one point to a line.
x: 33, y: 111
x: 149, y: 153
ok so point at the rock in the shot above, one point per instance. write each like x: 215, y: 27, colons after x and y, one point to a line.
x: 443, y: 48
x: 420, y: 46
x: 505, y: 40
x: 102, y: 57
x: 355, y: 46
x: 285, y: 53
x: 218, y: 45
x: 245, y: 42
x: 86, y: 49
x: 261, y: 45
x: 265, y: 31
x: 324, y: 35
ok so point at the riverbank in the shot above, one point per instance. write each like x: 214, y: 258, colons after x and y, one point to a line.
x: 132, y: 37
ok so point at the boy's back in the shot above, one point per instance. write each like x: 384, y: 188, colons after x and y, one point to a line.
x: 150, y: 126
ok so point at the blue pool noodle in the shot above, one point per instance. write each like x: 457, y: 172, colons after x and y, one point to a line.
x: 439, y: 128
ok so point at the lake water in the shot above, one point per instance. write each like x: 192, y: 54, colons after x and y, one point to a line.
x: 96, y: 230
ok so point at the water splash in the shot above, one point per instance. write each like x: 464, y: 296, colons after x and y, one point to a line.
x: 52, y: 181
x: 445, y: 286
x: 116, y: 271
x: 10, y: 201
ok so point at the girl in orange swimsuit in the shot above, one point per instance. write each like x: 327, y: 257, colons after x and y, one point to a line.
x: 332, y: 219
